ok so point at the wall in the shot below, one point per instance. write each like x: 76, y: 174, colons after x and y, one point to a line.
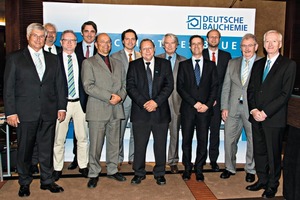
x: 269, y: 14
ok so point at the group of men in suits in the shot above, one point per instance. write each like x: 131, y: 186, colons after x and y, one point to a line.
x: 42, y: 92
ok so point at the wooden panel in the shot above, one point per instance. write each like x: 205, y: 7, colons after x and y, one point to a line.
x: 293, y: 112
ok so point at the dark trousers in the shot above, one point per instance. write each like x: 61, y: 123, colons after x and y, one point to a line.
x: 267, y: 146
x: 188, y: 123
x: 214, y: 138
x: 29, y: 134
x: 141, y: 134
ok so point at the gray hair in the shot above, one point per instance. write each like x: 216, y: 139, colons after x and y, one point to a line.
x: 273, y: 31
x: 50, y: 24
x: 173, y: 36
x: 35, y: 26
x: 248, y: 36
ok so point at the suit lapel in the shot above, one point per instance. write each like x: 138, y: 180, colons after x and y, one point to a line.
x: 31, y: 63
x: 102, y: 64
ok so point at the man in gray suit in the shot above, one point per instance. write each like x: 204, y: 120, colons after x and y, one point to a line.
x: 126, y: 55
x: 170, y: 43
x: 103, y: 80
x: 234, y: 106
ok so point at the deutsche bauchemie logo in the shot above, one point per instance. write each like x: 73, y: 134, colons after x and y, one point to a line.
x: 194, y: 22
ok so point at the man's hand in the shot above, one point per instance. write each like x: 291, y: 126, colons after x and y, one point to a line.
x: 13, y: 120
x: 259, y: 116
x: 203, y: 108
x: 61, y: 115
x: 197, y: 105
x: 150, y: 106
x: 115, y: 99
x: 224, y: 115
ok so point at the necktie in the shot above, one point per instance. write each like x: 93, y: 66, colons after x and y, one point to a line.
x: 266, y: 71
x: 107, y: 63
x: 130, y: 57
x: 170, y: 57
x: 71, y: 84
x: 197, y: 72
x: 39, y: 65
x: 87, y: 53
x: 245, y: 72
x: 213, y: 57
x: 149, y: 77
x: 50, y: 49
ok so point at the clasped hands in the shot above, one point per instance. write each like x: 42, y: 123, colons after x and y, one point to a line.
x: 200, y: 107
x: 115, y: 99
x: 259, y: 116
x: 150, y: 106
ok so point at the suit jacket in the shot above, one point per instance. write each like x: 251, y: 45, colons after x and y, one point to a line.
x: 79, y: 51
x: 175, y: 99
x: 99, y: 83
x: 190, y: 93
x: 121, y: 55
x: 223, y: 59
x: 273, y: 94
x: 82, y: 95
x: 137, y: 89
x: 233, y: 88
x: 26, y: 95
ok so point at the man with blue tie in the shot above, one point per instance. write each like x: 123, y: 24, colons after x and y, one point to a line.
x: 197, y: 84
x: 270, y: 87
x: 170, y: 43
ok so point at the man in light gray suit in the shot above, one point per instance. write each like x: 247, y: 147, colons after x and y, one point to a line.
x: 103, y: 80
x: 126, y: 55
x: 170, y: 43
x: 234, y: 106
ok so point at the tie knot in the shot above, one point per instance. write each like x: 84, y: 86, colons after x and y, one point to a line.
x: 148, y: 64
x: 130, y: 54
x: 169, y: 57
x: 268, y: 62
x: 87, y: 46
x: 197, y: 61
x: 69, y: 56
x: 247, y: 62
x: 37, y: 54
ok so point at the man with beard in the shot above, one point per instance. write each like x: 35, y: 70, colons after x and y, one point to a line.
x: 50, y: 39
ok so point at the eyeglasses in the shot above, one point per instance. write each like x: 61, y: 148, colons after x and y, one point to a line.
x: 69, y: 40
x: 249, y: 45
x: 35, y: 36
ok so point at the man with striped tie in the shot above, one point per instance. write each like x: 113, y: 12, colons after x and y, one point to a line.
x: 77, y: 99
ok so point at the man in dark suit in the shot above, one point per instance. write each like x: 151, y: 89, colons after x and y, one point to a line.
x: 77, y: 99
x: 270, y: 87
x: 50, y: 39
x: 170, y: 43
x: 197, y: 84
x: 149, y: 85
x: 126, y: 55
x: 221, y: 58
x: 84, y: 49
x: 34, y: 98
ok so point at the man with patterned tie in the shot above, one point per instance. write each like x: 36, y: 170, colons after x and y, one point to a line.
x: 84, y: 49
x: 76, y: 107
x: 34, y: 99
x: 268, y: 97
x: 234, y: 107
x: 197, y: 84
x: 149, y: 85
x: 170, y: 43
x: 221, y: 58
x: 50, y: 39
x: 126, y: 55
x: 103, y: 80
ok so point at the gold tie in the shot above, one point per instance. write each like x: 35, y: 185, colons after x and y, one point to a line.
x: 130, y: 57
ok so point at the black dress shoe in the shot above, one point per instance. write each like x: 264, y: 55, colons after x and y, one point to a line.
x: 160, y: 180
x: 215, y: 166
x: 269, y: 193
x: 199, y: 176
x: 24, y: 191
x: 53, y: 187
x: 174, y: 169
x: 226, y: 174
x: 93, y: 182
x: 56, y: 175
x: 256, y: 186
x: 34, y: 169
x: 84, y: 171
x: 137, y: 179
x: 73, y: 165
x: 117, y: 176
x: 250, y: 178
x: 186, y: 175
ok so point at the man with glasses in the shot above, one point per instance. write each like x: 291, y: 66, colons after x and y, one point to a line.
x: 50, y: 39
x: 35, y: 98
x: 76, y: 107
